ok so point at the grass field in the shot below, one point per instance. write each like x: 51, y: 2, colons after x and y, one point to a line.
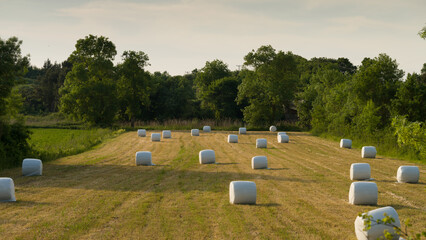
x: 51, y: 143
x: 101, y: 194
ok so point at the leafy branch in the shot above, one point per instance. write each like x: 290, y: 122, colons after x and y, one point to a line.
x: 389, y: 221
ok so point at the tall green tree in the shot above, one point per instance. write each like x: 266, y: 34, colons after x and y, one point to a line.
x: 134, y: 84
x: 13, y: 136
x: 217, y: 89
x: 173, y: 97
x: 89, y: 91
x: 270, y: 88
x: 211, y: 72
x: 221, y: 96
x: 410, y: 97
x: 378, y: 80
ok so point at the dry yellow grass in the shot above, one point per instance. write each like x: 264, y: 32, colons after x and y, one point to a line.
x: 101, y: 194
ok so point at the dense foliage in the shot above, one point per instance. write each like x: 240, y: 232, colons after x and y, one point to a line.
x: 13, y: 135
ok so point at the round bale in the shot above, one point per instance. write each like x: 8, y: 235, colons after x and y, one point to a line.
x: 360, y: 171
x: 272, y: 129
x: 167, y: 134
x: 155, y: 137
x: 242, y: 192
x: 283, y: 138
x: 141, y: 132
x: 345, y: 143
x: 144, y: 158
x: 363, y: 193
x: 377, y: 230
x: 368, y: 152
x: 261, y: 143
x: 207, y: 156
x: 32, y: 167
x: 259, y: 162
x: 195, y: 132
x: 207, y: 129
x: 242, y: 130
x: 232, y: 138
x: 7, y: 190
x: 408, y: 174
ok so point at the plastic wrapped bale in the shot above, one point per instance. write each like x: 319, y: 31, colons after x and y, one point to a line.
x: 141, y: 133
x: 7, y: 190
x: 259, y: 162
x: 363, y: 193
x: 207, y: 129
x: 360, y: 171
x: 408, y: 174
x: 283, y: 138
x: 345, y: 143
x: 242, y: 192
x: 232, y: 138
x: 272, y: 129
x: 368, y: 152
x: 261, y: 143
x: 167, y: 134
x: 144, y: 158
x: 195, y: 132
x: 207, y: 156
x: 155, y: 137
x: 32, y: 167
x: 377, y: 230
x: 242, y: 130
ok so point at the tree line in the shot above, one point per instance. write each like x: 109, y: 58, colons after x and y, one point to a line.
x: 327, y: 96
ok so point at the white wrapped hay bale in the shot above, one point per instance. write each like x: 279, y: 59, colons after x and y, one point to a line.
x: 242, y: 192
x: 261, y: 143
x: 345, y: 143
x: 144, y: 158
x: 207, y: 156
x: 368, y: 152
x: 141, y: 133
x: 195, y: 132
x: 232, y: 138
x: 7, y: 190
x: 32, y: 167
x: 360, y: 171
x: 167, y: 134
x: 408, y: 174
x: 363, y: 193
x: 377, y: 230
x: 207, y: 129
x: 272, y: 129
x: 259, y: 162
x: 283, y: 138
x: 155, y: 137
x: 242, y: 130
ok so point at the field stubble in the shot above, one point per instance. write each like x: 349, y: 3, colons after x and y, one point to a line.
x: 101, y: 194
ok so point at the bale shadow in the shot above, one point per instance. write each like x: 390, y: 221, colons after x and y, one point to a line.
x: 397, y: 206
x: 268, y: 204
x: 24, y: 203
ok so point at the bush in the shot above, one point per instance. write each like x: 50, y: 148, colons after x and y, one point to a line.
x: 410, y: 135
x: 13, y: 144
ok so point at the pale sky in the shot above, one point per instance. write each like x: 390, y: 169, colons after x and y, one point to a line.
x: 181, y: 35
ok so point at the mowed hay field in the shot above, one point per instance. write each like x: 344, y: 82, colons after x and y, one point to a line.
x: 101, y: 194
